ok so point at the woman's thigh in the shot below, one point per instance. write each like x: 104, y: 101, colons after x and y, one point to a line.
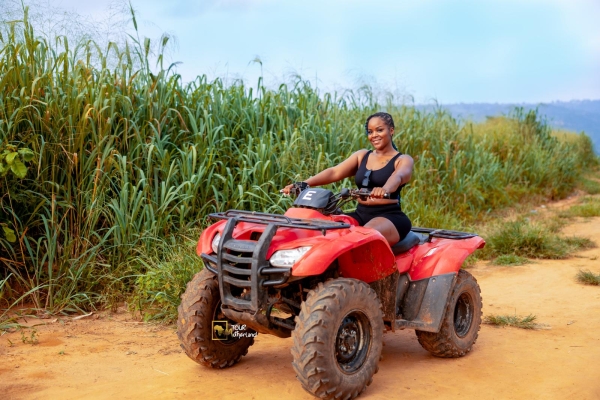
x: 386, y: 228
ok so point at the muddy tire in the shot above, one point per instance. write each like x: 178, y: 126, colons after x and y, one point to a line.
x: 200, y: 306
x: 461, y: 323
x: 338, y: 339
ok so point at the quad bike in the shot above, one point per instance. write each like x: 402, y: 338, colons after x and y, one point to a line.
x: 333, y: 286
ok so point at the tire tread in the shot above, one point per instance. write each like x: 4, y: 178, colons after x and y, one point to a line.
x: 443, y: 343
x: 194, y: 327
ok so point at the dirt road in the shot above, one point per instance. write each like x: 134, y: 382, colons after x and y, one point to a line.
x: 116, y: 357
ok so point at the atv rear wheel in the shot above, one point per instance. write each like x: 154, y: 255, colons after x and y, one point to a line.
x: 461, y: 323
x: 338, y: 339
x: 200, y: 306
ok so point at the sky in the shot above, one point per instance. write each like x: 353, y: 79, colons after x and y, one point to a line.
x: 445, y: 51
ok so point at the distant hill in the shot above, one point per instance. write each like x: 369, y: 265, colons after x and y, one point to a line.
x: 576, y: 115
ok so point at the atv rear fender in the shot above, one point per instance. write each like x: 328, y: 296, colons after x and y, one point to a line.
x: 442, y: 256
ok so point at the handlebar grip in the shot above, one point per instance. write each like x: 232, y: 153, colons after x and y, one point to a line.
x: 364, y: 193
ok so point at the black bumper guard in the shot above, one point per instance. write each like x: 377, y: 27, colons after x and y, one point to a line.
x: 243, y: 264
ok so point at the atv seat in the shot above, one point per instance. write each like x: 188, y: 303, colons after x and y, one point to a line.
x: 411, y: 240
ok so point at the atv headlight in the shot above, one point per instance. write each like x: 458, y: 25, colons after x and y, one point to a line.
x: 287, y: 258
x: 215, y: 242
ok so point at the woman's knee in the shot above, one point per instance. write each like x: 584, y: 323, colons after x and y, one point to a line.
x: 386, y: 228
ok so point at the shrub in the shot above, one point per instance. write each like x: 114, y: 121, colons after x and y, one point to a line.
x: 159, y: 289
x: 590, y: 186
x: 523, y: 238
x: 589, y: 278
x: 590, y: 207
x: 527, y: 322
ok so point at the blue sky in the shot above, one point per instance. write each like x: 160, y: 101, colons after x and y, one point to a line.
x: 445, y: 50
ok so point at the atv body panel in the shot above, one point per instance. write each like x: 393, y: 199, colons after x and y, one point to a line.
x: 362, y: 253
x: 413, y: 278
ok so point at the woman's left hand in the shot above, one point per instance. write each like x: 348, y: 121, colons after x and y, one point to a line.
x: 379, y: 193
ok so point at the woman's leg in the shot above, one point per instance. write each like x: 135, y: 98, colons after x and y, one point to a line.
x: 386, y: 228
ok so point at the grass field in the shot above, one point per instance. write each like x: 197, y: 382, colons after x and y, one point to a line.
x: 107, y: 174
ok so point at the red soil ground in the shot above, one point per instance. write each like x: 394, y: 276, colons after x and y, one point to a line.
x: 113, y: 356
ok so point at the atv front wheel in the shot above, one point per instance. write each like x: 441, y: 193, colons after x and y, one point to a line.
x: 461, y: 323
x: 337, y: 340
x: 200, y: 322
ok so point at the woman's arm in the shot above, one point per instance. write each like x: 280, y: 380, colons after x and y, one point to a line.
x: 401, y: 175
x: 345, y: 169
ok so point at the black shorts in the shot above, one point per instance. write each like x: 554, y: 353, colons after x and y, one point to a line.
x: 392, y: 212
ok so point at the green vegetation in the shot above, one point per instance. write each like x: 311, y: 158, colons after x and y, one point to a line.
x: 30, y: 337
x: 510, y: 260
x: 524, y: 238
x: 159, y: 290
x: 589, y: 207
x: 124, y: 163
x: 588, y: 277
x: 589, y: 186
x: 527, y: 322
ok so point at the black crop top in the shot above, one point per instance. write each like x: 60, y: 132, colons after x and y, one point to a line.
x: 377, y: 177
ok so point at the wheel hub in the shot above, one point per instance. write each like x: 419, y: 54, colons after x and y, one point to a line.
x: 347, y: 339
x: 463, y: 315
x: 352, y: 342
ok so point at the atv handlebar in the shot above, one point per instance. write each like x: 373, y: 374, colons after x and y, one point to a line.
x: 335, y: 201
x: 362, y: 194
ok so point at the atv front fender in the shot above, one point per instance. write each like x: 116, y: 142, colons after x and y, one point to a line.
x: 362, y: 253
x: 204, y: 243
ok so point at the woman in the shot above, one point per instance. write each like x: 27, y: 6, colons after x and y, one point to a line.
x: 384, y: 170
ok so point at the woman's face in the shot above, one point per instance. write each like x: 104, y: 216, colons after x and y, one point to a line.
x: 379, y: 133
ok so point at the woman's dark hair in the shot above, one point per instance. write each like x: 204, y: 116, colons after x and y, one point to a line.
x: 387, y: 119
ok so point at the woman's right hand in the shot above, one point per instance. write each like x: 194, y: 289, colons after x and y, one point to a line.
x: 286, y: 190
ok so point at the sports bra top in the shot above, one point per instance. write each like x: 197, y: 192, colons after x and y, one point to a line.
x: 377, y: 177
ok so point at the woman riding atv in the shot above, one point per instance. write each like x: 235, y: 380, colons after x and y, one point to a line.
x: 384, y: 170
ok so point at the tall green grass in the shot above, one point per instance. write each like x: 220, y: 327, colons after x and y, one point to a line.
x: 128, y: 159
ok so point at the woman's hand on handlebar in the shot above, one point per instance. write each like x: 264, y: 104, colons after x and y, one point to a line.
x: 286, y: 190
x: 379, y: 193
x: 294, y: 188
x: 365, y: 194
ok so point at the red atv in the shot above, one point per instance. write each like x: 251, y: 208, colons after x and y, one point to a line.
x: 333, y: 286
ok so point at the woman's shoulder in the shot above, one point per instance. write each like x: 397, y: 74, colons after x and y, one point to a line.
x: 359, y: 155
x: 361, y: 152
x: 403, y: 158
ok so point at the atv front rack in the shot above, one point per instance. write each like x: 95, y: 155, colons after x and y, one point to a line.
x: 280, y: 220
x: 241, y: 266
x: 443, y: 233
